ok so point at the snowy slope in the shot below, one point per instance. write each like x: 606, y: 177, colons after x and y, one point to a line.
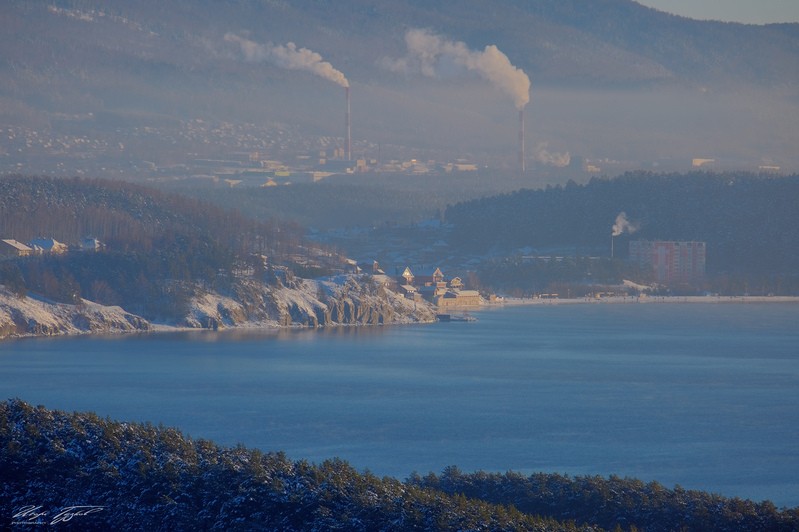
x: 31, y: 316
x: 343, y: 300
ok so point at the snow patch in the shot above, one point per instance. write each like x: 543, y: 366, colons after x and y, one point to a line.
x: 340, y: 300
x: 30, y: 316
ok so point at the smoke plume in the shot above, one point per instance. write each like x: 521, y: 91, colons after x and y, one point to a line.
x: 434, y: 56
x: 288, y: 56
x: 544, y: 156
x: 623, y: 225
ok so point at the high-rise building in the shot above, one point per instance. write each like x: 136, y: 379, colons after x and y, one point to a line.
x: 670, y: 262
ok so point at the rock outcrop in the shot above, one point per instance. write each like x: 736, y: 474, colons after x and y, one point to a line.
x: 343, y: 300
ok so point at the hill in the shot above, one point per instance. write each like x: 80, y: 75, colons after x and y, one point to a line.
x: 156, y: 245
x: 110, y: 87
x: 748, y: 221
x: 169, y: 259
x: 561, y: 41
x: 110, y: 474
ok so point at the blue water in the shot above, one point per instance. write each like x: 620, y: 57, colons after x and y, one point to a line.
x: 701, y: 395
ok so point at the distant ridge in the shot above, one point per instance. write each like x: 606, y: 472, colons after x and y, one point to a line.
x: 101, y: 65
x: 563, y: 41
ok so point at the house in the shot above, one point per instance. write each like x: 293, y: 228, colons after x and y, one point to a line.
x: 12, y: 248
x: 48, y: 245
x: 408, y: 291
x: 407, y: 277
x: 428, y: 278
x: 459, y: 298
x: 91, y: 244
x: 372, y: 267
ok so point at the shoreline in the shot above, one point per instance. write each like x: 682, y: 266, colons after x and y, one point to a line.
x: 630, y: 300
x: 274, y: 326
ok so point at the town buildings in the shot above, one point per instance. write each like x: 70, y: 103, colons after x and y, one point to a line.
x: 48, y: 245
x: 432, y: 286
x: 10, y: 247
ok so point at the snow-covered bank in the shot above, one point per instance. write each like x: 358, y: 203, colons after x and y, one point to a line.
x: 32, y: 316
x: 343, y: 300
x: 645, y: 300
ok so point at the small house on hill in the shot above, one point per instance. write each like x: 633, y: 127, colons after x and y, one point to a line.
x: 430, y: 278
x: 48, y: 245
x: 90, y: 244
x: 11, y: 248
x: 407, y: 277
x: 425, y: 278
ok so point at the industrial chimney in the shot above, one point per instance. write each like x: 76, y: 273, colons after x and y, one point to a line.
x: 521, y: 139
x: 347, y: 125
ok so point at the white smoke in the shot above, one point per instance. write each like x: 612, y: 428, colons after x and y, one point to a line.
x: 433, y: 56
x: 623, y: 225
x: 288, y: 56
x: 544, y: 156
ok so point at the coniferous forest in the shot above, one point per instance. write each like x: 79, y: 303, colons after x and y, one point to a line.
x: 141, y: 477
x: 748, y: 222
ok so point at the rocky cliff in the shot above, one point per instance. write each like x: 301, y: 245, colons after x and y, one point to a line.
x: 343, y: 300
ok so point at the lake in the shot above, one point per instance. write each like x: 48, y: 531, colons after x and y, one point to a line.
x: 701, y: 395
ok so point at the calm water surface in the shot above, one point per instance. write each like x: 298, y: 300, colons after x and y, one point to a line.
x: 701, y: 395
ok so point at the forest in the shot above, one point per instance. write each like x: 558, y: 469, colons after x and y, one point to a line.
x: 142, y: 477
x: 157, y: 246
x: 749, y: 223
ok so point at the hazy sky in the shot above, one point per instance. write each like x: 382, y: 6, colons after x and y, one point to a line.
x: 748, y: 11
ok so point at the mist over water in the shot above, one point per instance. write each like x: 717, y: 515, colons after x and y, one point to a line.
x: 698, y: 395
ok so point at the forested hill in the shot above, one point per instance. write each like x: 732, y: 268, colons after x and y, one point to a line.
x: 140, y: 477
x: 750, y: 223
x: 157, y: 247
x: 126, y: 217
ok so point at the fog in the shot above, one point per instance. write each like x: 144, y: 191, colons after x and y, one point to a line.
x: 444, y: 100
x: 664, y: 125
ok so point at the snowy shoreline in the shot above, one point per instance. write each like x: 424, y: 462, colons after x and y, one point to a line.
x: 341, y: 301
x: 628, y: 300
x: 297, y: 308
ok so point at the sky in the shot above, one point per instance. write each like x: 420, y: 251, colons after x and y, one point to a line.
x: 747, y: 11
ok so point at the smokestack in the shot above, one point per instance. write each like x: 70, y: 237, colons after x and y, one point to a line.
x: 347, y: 125
x: 521, y: 139
x: 620, y: 226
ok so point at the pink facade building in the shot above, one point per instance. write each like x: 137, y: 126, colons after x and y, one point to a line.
x: 670, y: 262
